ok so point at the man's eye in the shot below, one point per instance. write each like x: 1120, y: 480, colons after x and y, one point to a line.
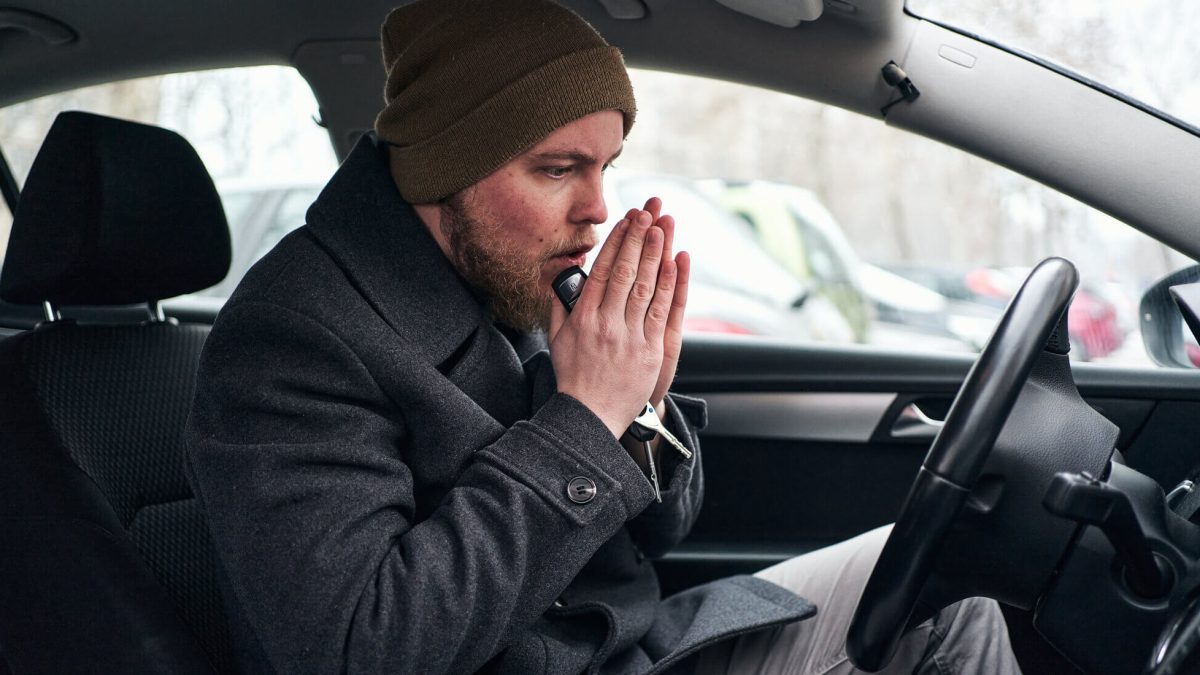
x: 607, y: 166
x: 557, y: 171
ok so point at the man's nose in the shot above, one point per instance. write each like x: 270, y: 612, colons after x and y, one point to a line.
x: 590, y: 207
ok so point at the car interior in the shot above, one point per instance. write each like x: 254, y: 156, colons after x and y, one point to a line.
x: 1013, y: 474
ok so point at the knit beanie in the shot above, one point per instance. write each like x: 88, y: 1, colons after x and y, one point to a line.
x: 471, y: 84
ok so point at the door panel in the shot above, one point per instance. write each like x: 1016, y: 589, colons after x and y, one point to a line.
x: 801, y: 450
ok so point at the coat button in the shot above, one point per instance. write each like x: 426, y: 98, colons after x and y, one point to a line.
x: 581, y: 490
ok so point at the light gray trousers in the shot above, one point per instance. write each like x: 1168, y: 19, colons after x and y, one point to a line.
x: 969, y: 637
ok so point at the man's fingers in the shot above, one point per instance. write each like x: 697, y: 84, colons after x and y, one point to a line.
x: 645, y: 284
x: 593, y: 291
x: 654, y: 206
x: 683, y: 271
x: 657, y: 316
x: 624, y: 270
x: 667, y: 223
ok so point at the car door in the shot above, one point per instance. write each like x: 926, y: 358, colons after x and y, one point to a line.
x: 808, y: 445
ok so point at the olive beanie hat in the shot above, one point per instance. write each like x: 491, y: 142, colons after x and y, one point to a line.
x: 471, y: 84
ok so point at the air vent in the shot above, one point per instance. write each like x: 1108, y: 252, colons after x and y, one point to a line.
x: 786, y: 13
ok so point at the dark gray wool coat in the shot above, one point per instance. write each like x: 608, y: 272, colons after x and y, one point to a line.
x: 385, y: 480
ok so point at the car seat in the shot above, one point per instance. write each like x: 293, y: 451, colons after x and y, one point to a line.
x: 105, y: 559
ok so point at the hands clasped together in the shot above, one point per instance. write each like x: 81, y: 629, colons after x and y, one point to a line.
x: 619, y: 346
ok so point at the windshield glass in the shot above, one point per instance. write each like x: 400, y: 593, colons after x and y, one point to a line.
x: 1142, y: 48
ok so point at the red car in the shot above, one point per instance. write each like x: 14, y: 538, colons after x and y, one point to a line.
x: 1093, y: 324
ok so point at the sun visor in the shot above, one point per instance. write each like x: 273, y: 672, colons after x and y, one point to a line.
x: 786, y: 13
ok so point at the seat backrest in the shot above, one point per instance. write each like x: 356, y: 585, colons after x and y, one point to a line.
x: 107, y: 563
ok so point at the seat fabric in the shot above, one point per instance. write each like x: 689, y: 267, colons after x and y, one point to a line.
x: 99, y: 411
x: 107, y: 565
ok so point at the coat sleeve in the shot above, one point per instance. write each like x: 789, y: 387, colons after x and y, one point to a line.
x: 298, y: 458
x: 660, y: 527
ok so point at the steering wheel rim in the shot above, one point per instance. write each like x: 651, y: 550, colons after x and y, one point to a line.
x: 955, y: 461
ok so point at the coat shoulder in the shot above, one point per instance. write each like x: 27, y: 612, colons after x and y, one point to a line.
x: 295, y: 274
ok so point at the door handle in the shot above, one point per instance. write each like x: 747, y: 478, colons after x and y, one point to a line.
x: 912, y: 422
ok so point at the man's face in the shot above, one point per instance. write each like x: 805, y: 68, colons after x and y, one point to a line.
x: 511, y: 233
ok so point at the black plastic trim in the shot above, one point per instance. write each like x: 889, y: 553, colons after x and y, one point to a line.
x: 712, y: 363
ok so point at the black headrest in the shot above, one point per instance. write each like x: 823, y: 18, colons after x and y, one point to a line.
x: 114, y: 213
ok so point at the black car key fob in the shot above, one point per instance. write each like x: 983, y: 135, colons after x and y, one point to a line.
x: 568, y: 285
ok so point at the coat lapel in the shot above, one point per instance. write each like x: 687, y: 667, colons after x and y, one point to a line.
x: 385, y: 250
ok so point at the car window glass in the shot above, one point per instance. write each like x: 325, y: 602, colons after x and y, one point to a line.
x: 718, y: 237
x: 238, y: 205
x: 892, y: 240
x: 286, y: 218
x: 5, y: 224
x: 255, y: 129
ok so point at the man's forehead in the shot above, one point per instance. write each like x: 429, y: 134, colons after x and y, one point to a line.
x: 574, y: 151
x: 599, y: 135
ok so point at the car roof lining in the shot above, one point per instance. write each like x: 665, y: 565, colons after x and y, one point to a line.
x: 696, y: 36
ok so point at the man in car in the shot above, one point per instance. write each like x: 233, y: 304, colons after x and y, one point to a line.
x: 399, y: 478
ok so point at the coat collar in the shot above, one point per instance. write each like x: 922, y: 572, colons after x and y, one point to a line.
x: 389, y: 255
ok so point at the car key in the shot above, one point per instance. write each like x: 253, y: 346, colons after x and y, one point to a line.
x: 649, y: 420
x: 649, y: 450
x: 568, y: 285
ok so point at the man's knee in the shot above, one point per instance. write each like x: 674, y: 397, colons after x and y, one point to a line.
x: 971, y: 636
x: 979, y: 613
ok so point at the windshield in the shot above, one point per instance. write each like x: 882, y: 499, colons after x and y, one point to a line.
x: 1142, y: 48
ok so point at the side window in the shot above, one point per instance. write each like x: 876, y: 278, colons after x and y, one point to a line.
x: 286, y: 218
x: 893, y: 240
x: 6, y: 217
x: 254, y: 128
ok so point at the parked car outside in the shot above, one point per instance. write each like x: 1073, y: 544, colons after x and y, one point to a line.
x: 1094, y: 325
x: 909, y: 315
x: 794, y: 227
x: 746, y: 280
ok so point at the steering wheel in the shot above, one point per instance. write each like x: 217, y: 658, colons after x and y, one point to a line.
x: 955, y: 461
